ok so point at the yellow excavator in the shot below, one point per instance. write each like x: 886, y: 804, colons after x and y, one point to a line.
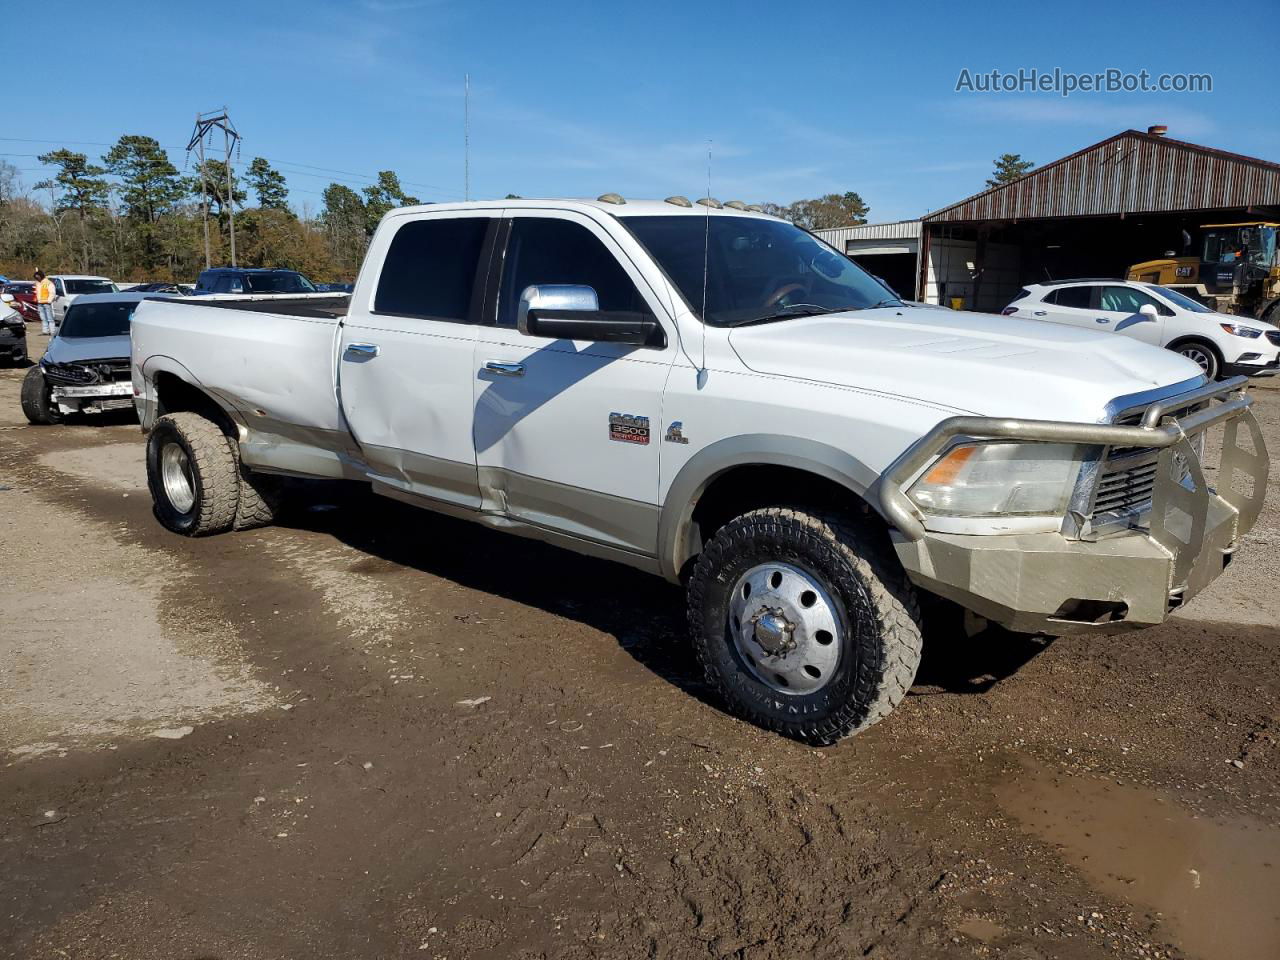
x: 1237, y: 271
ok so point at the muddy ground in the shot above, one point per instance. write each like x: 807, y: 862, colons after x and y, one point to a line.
x: 370, y: 732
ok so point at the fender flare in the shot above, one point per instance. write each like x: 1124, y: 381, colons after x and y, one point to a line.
x: 160, y: 363
x: 758, y: 449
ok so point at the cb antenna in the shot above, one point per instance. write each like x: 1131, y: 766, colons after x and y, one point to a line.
x: 706, y: 263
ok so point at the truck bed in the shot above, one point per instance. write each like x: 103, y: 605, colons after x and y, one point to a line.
x: 331, y: 305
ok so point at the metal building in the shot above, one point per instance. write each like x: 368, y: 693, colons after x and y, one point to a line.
x: 1132, y: 197
x: 889, y: 250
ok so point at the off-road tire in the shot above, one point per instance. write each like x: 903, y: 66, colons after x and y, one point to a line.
x: 881, y: 648
x: 260, y: 498
x: 37, y: 405
x: 214, y: 475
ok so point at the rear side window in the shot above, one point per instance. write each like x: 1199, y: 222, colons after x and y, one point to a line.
x: 1021, y: 295
x: 430, y: 269
x: 559, y: 251
x: 1079, y: 297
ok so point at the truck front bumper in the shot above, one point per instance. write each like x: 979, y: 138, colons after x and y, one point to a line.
x: 1055, y: 584
x: 1045, y: 583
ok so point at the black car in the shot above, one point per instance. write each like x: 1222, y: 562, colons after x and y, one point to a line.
x: 13, y: 335
x: 252, y: 280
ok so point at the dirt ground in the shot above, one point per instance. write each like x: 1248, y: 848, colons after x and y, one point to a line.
x: 371, y: 732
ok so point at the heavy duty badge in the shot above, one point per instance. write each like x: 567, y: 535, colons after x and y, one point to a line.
x: 628, y: 428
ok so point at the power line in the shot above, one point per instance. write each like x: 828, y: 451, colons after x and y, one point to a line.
x: 271, y: 160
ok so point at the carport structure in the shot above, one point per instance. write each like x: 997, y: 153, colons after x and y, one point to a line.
x: 1133, y: 197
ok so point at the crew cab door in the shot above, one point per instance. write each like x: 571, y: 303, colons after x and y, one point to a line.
x: 1120, y: 307
x: 566, y: 431
x: 405, y: 356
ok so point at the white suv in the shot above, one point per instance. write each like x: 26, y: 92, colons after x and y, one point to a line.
x: 1223, y: 345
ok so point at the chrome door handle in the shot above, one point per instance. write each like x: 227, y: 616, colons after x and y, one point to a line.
x: 360, y: 352
x: 1101, y: 319
x: 1039, y: 313
x: 504, y: 369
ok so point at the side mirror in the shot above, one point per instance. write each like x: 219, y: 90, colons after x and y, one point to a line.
x: 1149, y: 311
x: 6, y: 297
x: 562, y: 311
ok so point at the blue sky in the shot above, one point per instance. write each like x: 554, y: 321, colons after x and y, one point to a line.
x: 797, y: 99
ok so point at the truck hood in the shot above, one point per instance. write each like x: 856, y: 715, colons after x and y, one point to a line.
x: 968, y: 362
x: 80, y: 349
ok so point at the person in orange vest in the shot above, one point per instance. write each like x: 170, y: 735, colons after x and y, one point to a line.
x: 45, y: 294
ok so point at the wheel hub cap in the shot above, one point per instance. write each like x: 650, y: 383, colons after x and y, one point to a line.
x: 786, y: 628
x: 773, y: 631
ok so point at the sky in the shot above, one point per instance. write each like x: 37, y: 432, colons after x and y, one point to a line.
x: 792, y: 100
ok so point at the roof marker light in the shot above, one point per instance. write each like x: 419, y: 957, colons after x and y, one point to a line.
x: 678, y: 201
x: 755, y: 208
x: 736, y: 204
x: 710, y: 202
x: 614, y: 198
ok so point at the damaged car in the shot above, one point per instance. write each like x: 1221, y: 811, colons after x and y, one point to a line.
x: 86, y: 366
x: 13, y: 332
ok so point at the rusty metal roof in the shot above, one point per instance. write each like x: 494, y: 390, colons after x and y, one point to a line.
x: 1132, y: 172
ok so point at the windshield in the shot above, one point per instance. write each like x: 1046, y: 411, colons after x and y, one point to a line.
x: 756, y: 269
x: 1182, y: 300
x: 277, y: 283
x: 97, y: 320
x: 90, y: 286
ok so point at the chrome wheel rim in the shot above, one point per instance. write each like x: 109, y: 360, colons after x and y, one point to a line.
x: 1201, y: 357
x: 175, y: 474
x: 786, y: 628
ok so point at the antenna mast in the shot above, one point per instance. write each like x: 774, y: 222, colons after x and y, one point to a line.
x: 466, y: 136
x: 206, y: 123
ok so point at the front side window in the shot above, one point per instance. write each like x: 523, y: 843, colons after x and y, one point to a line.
x: 1077, y: 297
x: 752, y: 269
x: 97, y: 320
x: 430, y: 269
x: 1127, y: 300
x: 559, y: 251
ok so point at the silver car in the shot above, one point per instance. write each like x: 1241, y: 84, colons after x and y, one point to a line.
x: 86, y: 366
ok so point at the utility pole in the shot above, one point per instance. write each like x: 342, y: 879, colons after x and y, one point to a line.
x: 206, y: 123
x: 466, y: 136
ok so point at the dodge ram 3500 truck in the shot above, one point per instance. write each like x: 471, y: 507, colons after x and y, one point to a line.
x: 712, y: 395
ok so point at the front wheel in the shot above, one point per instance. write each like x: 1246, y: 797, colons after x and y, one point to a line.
x: 1204, y: 355
x: 193, y: 476
x: 37, y: 399
x: 804, y: 623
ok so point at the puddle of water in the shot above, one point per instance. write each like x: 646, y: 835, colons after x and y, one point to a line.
x: 984, y: 931
x: 1217, y: 881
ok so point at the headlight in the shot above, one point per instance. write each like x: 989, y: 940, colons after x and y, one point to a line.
x: 1252, y: 333
x: 999, y: 479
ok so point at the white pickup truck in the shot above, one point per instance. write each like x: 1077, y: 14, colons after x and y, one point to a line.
x: 714, y: 396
